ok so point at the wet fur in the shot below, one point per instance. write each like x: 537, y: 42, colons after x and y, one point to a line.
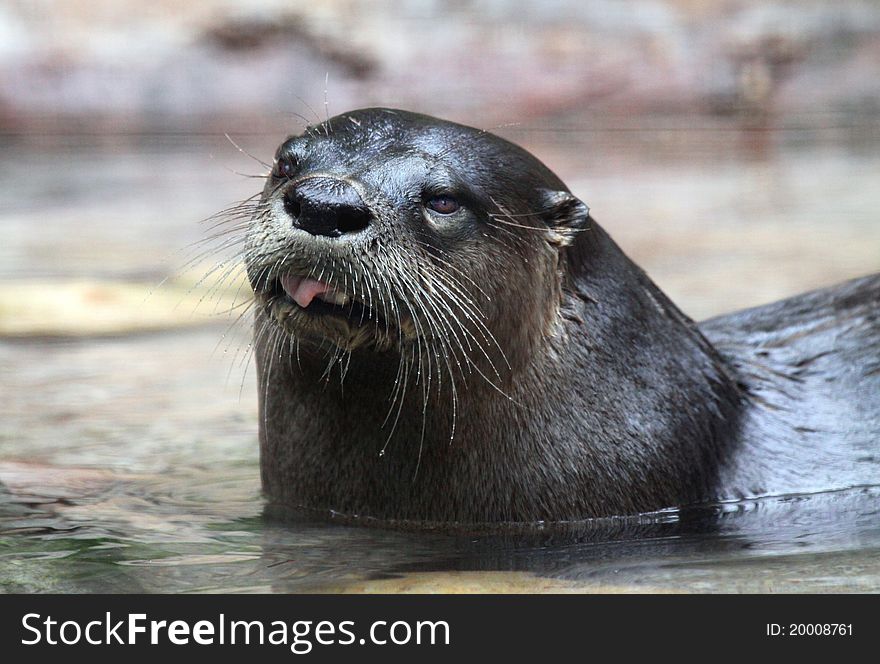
x: 530, y: 370
x: 811, y: 368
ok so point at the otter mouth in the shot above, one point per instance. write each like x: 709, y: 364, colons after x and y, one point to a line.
x: 310, y: 293
x: 320, y: 299
x: 306, y: 305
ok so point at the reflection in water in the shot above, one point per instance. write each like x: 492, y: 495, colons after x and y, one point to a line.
x: 130, y: 463
x: 186, y: 533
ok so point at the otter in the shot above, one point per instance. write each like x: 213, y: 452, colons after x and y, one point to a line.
x: 443, y: 333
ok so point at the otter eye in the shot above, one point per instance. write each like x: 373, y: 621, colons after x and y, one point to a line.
x: 443, y: 204
x: 284, y: 167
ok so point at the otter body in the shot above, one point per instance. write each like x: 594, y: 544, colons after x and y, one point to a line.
x: 444, y: 334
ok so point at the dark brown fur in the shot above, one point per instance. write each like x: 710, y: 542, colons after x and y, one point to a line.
x: 514, y: 364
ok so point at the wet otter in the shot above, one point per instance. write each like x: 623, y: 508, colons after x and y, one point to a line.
x: 444, y: 333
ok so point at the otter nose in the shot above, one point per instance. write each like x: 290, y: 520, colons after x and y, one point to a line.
x: 326, y: 206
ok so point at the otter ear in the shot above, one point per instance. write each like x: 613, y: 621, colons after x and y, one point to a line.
x: 565, y: 216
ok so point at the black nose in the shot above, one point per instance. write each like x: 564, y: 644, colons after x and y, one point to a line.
x: 325, y: 206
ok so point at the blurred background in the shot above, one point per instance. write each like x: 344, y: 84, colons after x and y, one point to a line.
x: 730, y: 147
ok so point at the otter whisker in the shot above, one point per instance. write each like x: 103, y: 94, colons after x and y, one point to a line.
x: 227, y: 270
x: 450, y: 265
x: 238, y: 320
x: 443, y: 351
x: 403, y: 362
x: 246, y: 153
x: 469, y: 309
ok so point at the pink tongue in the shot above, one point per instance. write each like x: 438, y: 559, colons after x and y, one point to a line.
x: 302, y: 289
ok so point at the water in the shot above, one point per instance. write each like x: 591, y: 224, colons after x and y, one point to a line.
x: 128, y: 458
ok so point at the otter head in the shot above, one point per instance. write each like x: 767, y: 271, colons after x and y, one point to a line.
x: 381, y: 230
